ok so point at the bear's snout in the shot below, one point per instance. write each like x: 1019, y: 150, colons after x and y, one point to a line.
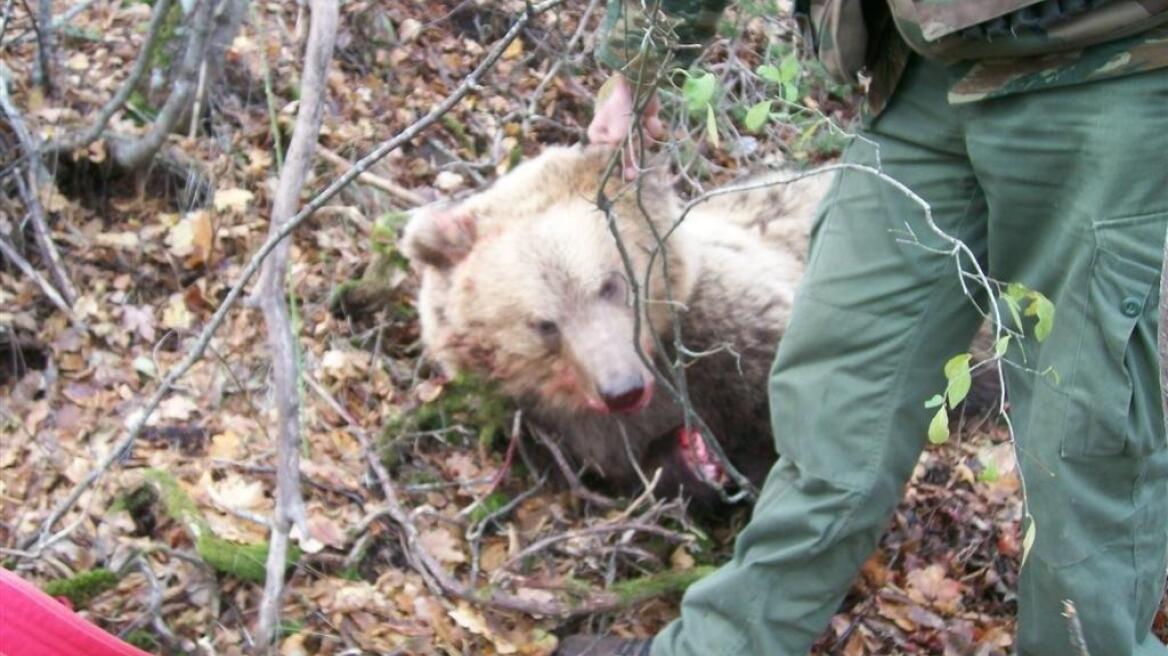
x: 627, y: 395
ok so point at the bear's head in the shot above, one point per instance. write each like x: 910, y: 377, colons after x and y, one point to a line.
x: 526, y: 284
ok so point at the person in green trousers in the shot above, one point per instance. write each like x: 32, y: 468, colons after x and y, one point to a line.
x: 1037, y: 132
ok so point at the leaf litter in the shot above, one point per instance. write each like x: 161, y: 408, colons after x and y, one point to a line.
x: 151, y: 272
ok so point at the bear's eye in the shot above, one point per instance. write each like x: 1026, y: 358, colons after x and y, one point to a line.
x: 546, y: 328
x: 611, y: 288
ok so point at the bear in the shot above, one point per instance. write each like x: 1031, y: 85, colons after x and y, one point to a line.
x: 527, y: 284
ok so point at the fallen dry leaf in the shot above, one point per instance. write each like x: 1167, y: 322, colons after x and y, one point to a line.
x: 440, y: 544
x: 930, y: 586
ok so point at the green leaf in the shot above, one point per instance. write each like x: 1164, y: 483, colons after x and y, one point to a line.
x: 769, y: 73
x: 789, y: 68
x: 939, y: 427
x: 935, y: 401
x: 711, y: 126
x: 989, y: 473
x: 1017, y: 291
x: 790, y: 92
x: 1053, y: 375
x: 1044, y: 309
x: 958, y: 374
x: 757, y: 115
x: 495, y: 501
x: 1001, y: 345
x: 1015, y: 311
x: 1028, y: 538
x: 699, y: 90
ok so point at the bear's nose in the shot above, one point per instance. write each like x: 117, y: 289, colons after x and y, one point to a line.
x: 629, y: 397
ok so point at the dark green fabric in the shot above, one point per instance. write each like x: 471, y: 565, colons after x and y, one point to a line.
x: 1064, y: 190
x: 1110, y: 39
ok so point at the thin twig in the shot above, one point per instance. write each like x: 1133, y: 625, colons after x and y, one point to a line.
x: 533, y: 103
x: 200, y: 94
x: 199, y: 347
x: 393, y: 189
x: 269, y: 93
x: 60, y: 20
x: 574, y: 484
x: 153, y: 611
x: 85, y: 137
x: 603, y: 529
x: 36, y: 177
x: 4, y: 16
x: 273, y: 301
x: 15, y: 257
x: 44, y: 37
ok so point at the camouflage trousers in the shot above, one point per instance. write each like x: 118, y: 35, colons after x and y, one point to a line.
x: 1064, y: 190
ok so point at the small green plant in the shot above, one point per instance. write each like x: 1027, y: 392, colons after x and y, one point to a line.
x: 699, y: 91
x: 1020, y: 301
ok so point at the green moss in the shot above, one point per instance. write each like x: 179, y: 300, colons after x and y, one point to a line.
x: 243, y: 561
x: 290, y: 627
x: 375, y: 289
x: 656, y: 585
x: 162, y: 52
x: 466, y: 400
x: 82, y: 587
x: 177, y: 503
x: 458, y: 130
x: 384, y: 235
x: 136, y: 501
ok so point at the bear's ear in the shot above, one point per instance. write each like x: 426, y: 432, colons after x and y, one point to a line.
x: 438, y: 235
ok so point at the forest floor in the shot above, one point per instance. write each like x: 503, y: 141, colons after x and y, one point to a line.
x: 166, y: 549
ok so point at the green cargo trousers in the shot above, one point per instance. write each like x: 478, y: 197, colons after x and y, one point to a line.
x: 1064, y: 190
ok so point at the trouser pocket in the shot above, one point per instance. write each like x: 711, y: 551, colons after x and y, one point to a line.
x: 1115, y: 398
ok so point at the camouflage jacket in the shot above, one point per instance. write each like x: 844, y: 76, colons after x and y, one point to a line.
x: 998, y: 47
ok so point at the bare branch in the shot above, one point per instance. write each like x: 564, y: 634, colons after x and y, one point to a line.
x: 4, y: 17
x: 393, y: 189
x: 153, y: 612
x: 135, y: 423
x: 620, y: 527
x: 44, y: 36
x: 14, y: 256
x: 442, y: 582
x: 578, y: 488
x: 533, y: 104
x: 273, y: 302
x: 36, y: 175
x: 60, y: 20
x: 89, y: 135
x: 133, y: 153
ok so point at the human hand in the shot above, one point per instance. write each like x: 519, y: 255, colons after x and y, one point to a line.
x: 612, y: 123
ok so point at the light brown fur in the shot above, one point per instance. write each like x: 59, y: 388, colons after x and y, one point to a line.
x: 535, y: 250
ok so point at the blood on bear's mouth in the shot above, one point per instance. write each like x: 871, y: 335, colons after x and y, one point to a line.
x: 694, y: 453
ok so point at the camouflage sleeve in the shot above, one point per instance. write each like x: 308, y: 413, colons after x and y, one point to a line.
x: 641, y: 38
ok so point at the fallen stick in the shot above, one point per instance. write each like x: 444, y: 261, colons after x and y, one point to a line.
x: 136, y: 421
x: 375, y: 181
